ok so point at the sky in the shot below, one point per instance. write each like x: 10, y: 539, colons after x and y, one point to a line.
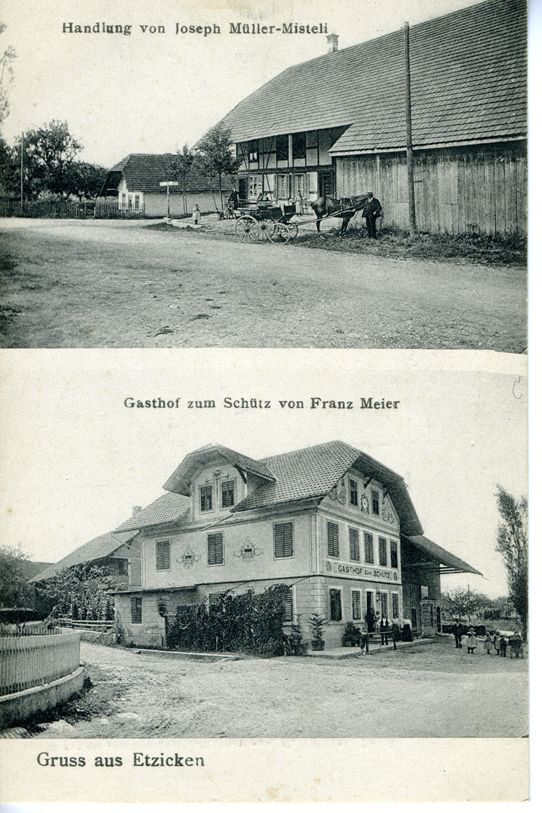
x: 155, y: 92
x: 76, y: 460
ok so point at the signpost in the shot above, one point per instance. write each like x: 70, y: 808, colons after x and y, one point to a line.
x: 167, y: 184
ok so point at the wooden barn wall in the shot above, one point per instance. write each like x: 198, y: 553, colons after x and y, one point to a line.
x: 464, y: 190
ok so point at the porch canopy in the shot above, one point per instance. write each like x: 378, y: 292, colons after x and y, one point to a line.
x: 427, y: 557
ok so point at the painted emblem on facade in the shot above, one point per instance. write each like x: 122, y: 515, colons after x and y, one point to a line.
x: 364, y: 504
x: 387, y: 513
x: 248, y: 551
x: 188, y: 558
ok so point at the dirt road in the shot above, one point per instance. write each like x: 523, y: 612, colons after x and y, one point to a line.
x: 120, y: 284
x: 429, y: 691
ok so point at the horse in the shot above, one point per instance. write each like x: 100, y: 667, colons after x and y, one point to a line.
x: 345, y: 208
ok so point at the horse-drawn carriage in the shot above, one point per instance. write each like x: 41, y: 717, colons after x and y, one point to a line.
x: 263, y: 221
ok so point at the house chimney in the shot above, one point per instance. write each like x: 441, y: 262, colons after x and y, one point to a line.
x: 135, y: 510
x: 332, y: 43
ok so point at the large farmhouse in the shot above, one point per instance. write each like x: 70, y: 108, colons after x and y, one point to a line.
x: 337, y: 124
x: 331, y: 522
x: 135, y: 184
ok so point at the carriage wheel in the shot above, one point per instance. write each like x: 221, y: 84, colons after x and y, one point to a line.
x: 280, y: 233
x: 266, y: 230
x: 294, y: 230
x: 245, y: 228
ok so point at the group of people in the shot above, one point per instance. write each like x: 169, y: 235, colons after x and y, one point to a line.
x: 495, y: 642
x: 386, y: 630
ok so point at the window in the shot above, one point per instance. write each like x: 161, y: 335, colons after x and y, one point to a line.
x: 215, y: 549
x: 255, y: 186
x: 163, y: 555
x: 288, y: 605
x: 136, y: 202
x: 369, y: 549
x: 136, y: 609
x: 282, y: 148
x: 353, y: 535
x: 353, y: 492
x: 228, y: 493
x: 335, y: 605
x: 283, y: 539
x: 356, y: 605
x: 283, y: 186
x: 375, y: 501
x: 382, y: 552
x: 395, y: 605
x: 332, y: 539
x: 299, y: 145
x: 206, y: 498
x: 394, y: 559
x: 214, y: 599
x: 253, y: 151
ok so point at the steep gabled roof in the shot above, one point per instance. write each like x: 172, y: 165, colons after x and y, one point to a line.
x: 440, y: 556
x: 311, y: 473
x: 98, y: 548
x: 180, y: 479
x: 468, y: 83
x: 144, y: 171
x: 167, y: 508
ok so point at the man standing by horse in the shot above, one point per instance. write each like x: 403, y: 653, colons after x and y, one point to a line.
x: 370, y: 212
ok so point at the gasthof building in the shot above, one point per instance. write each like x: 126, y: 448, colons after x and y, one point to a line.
x: 334, y: 524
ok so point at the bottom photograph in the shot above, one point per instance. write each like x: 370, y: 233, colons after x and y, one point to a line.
x: 272, y: 563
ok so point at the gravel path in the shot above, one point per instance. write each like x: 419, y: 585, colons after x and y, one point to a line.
x: 119, y: 284
x: 430, y: 691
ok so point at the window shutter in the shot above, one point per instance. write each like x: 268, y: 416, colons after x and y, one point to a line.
x: 332, y: 539
x: 215, y: 549
x: 163, y: 558
x: 283, y: 539
x: 354, y: 544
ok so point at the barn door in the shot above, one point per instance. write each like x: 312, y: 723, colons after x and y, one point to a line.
x: 325, y: 184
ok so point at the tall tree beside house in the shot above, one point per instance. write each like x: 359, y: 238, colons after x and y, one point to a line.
x: 14, y: 591
x: 48, y: 153
x: 512, y: 544
x: 7, y: 57
x: 81, y: 590
x: 463, y: 603
x: 215, y: 155
x: 83, y: 180
x: 181, y: 165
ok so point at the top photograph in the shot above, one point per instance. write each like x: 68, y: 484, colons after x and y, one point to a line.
x: 264, y: 174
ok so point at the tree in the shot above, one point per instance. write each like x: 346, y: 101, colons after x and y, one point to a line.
x: 83, y: 179
x: 7, y: 58
x: 48, y: 153
x: 215, y: 156
x: 463, y: 603
x: 81, y: 590
x: 14, y: 591
x: 181, y: 165
x: 512, y: 544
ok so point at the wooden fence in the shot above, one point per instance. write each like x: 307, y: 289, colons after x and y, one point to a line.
x: 467, y: 190
x: 93, y: 626
x: 27, y: 661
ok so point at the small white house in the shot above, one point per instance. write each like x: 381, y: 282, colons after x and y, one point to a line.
x: 135, y: 182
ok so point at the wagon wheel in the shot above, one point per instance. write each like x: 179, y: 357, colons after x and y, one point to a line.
x: 281, y: 233
x: 245, y: 228
x: 293, y: 229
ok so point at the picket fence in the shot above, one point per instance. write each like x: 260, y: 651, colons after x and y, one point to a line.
x: 27, y: 661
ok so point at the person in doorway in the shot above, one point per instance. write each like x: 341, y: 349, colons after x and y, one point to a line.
x: 458, y: 634
x: 395, y: 632
x: 371, y: 211
x: 472, y: 642
x: 196, y: 215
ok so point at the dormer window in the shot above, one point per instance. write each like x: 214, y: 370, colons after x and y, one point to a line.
x: 228, y: 493
x: 206, y: 498
x: 375, y: 501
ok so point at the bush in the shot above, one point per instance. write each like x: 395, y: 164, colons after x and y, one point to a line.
x: 18, y: 615
x: 352, y: 635
x: 234, y: 623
